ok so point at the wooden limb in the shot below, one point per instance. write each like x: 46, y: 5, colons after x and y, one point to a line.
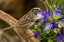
x: 28, y: 34
x: 7, y: 18
x: 12, y: 21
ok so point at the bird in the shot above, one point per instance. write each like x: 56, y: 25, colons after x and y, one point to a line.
x: 26, y: 22
x: 29, y: 18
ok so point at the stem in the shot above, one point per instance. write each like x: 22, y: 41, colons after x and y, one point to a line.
x: 7, y: 28
x: 45, y: 4
x: 50, y: 7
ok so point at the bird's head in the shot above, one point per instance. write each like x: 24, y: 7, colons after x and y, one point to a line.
x: 35, y: 11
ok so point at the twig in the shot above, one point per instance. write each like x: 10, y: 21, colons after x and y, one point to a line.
x: 45, y: 5
x: 49, y: 5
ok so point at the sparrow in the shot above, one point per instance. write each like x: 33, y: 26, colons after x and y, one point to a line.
x: 26, y: 22
x: 29, y: 19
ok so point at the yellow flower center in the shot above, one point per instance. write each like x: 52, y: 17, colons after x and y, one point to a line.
x: 55, y: 17
x: 37, y: 17
x: 48, y: 31
x: 61, y: 41
x: 56, y: 30
x: 60, y: 25
x: 48, y: 27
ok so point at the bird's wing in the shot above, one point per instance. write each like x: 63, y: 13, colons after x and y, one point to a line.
x: 27, y: 19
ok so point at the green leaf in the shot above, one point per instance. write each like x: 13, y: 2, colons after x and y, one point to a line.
x: 49, y: 40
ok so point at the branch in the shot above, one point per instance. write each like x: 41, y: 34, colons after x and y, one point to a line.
x: 11, y: 21
x: 20, y: 31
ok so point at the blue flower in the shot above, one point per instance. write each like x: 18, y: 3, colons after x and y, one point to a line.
x: 46, y: 15
x: 39, y: 15
x: 61, y: 23
x: 62, y: 20
x: 43, y: 18
x: 57, y: 13
x: 37, y: 34
x: 55, y: 27
x: 60, y: 38
x: 49, y: 14
x: 56, y: 30
x: 47, y: 27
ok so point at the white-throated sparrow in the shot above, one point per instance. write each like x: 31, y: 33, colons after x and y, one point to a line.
x: 28, y: 19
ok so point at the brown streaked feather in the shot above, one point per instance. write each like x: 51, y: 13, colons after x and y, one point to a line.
x: 28, y: 16
x: 27, y: 20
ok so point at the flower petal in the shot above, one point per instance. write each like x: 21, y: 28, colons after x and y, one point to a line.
x: 37, y: 34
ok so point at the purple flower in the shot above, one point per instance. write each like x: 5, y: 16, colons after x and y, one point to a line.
x: 57, y: 13
x: 62, y: 20
x: 61, y: 23
x: 50, y: 15
x: 58, y: 10
x: 60, y: 38
x: 39, y: 15
x: 37, y: 34
x: 46, y: 15
x: 54, y: 25
x: 56, y: 30
x: 47, y: 27
x: 44, y: 19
